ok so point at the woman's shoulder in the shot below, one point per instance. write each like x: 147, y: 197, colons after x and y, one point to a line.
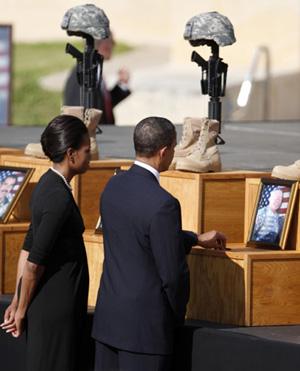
x: 52, y: 186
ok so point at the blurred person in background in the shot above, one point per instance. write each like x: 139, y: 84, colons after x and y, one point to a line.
x: 106, y: 99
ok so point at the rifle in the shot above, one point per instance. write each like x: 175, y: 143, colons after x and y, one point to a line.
x: 213, y: 81
x: 88, y: 69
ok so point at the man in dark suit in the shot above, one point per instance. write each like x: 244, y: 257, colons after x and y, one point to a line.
x: 105, y: 99
x: 145, y: 282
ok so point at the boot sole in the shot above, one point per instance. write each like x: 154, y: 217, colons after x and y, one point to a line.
x: 196, y: 169
x: 279, y: 175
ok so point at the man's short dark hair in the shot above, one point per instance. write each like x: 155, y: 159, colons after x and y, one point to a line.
x: 152, y: 134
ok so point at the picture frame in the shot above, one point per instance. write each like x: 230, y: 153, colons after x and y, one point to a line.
x: 272, y: 213
x: 98, y: 228
x: 13, y: 181
x: 5, y: 73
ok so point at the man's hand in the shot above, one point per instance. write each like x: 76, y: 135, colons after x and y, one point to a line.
x: 212, y: 240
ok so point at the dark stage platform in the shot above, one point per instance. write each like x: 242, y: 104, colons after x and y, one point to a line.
x: 200, y: 346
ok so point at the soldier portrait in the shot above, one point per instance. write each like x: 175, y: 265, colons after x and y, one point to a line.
x: 11, y: 183
x: 272, y: 210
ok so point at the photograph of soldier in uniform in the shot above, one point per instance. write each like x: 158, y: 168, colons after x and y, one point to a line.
x: 10, y: 183
x: 271, y: 213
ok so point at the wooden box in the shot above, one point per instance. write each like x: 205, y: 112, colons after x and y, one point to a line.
x: 252, y: 188
x: 95, y: 256
x: 87, y: 187
x: 245, y: 287
x: 11, y: 241
x: 10, y: 151
x: 211, y: 200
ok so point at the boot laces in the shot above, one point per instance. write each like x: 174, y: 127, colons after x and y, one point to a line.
x: 202, y: 138
x: 184, y: 137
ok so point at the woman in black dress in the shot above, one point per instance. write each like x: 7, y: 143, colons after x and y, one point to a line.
x: 52, y: 280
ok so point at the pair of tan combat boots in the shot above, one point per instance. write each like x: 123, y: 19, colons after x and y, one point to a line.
x: 90, y: 117
x: 197, y: 150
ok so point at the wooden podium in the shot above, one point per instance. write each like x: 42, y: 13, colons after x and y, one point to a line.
x: 242, y: 286
x: 11, y: 240
x: 87, y: 187
x: 211, y: 200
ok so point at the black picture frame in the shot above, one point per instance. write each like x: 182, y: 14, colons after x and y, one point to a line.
x: 5, y: 73
x: 272, y: 213
x: 13, y: 181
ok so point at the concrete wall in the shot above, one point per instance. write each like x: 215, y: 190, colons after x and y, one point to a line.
x: 273, y: 24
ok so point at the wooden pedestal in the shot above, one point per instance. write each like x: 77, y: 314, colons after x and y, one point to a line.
x: 11, y: 240
x: 211, y: 200
x: 87, y: 187
x: 95, y: 255
x: 245, y: 287
x: 10, y: 151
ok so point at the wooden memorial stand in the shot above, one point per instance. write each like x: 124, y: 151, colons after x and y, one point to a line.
x: 87, y: 189
x: 211, y: 200
x: 11, y: 240
x: 247, y: 286
x: 243, y: 286
x: 95, y: 256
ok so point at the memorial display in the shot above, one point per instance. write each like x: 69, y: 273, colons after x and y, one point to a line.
x: 90, y: 23
x: 272, y: 214
x: 12, y: 182
x: 214, y: 30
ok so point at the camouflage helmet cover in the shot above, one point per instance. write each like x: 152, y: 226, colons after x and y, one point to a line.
x: 210, y: 26
x: 88, y: 19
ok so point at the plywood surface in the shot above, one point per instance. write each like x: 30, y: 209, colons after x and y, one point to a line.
x: 11, y: 241
x: 188, y: 192
x: 275, y: 291
x: 217, y: 289
x: 95, y: 255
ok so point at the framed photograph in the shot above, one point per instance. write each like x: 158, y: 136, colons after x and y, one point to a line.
x: 272, y: 213
x: 5, y: 74
x: 12, y: 183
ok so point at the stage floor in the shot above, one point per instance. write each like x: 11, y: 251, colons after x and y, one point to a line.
x: 249, y: 146
x: 199, y: 346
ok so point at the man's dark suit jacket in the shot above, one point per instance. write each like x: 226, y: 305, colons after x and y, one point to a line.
x: 72, y: 97
x: 145, y: 282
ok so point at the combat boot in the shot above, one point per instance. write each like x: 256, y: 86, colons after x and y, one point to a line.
x: 205, y: 156
x: 91, y: 118
x: 190, y: 135
x: 35, y: 149
x: 76, y: 111
x: 290, y: 172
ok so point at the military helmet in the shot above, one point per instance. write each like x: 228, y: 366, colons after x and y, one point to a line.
x: 87, y: 19
x: 209, y: 26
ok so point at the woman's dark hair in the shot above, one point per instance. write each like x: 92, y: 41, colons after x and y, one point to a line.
x: 61, y: 133
x: 152, y: 134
